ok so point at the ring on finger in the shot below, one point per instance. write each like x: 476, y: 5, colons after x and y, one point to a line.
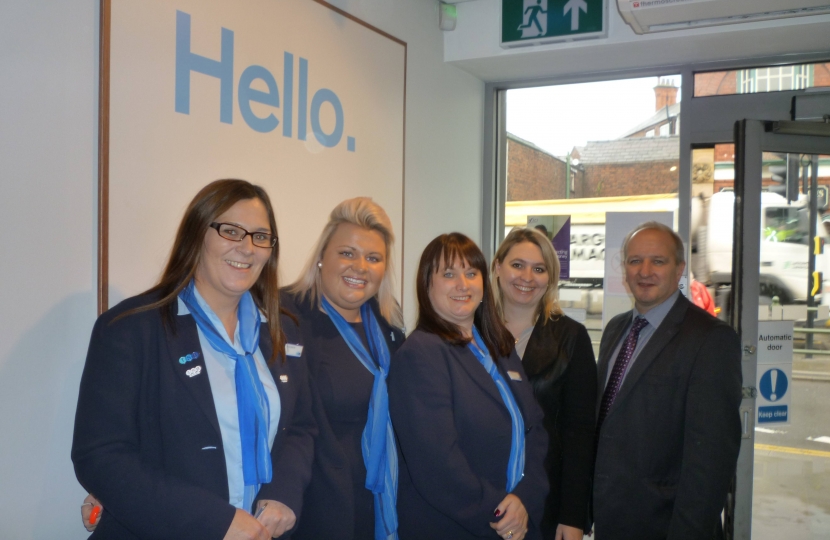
x: 509, y: 535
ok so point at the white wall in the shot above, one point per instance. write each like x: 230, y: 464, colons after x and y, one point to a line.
x: 48, y: 175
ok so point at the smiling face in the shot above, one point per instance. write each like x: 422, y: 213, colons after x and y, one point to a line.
x: 455, y: 293
x: 353, y: 267
x: 228, y: 269
x: 651, y: 271
x: 523, y: 277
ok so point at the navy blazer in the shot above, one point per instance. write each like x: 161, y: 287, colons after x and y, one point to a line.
x: 454, y: 435
x: 147, y: 440
x: 667, y: 450
x: 559, y: 360
x: 337, y: 505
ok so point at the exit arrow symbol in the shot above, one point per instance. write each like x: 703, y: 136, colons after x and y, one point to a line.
x: 574, y: 6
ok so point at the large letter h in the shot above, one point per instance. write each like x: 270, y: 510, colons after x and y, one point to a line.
x: 186, y: 62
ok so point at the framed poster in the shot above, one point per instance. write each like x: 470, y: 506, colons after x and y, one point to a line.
x: 294, y: 95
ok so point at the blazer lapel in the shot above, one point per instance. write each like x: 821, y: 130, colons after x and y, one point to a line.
x: 661, y: 337
x: 542, y: 350
x: 192, y: 373
x: 477, y: 372
x: 280, y: 372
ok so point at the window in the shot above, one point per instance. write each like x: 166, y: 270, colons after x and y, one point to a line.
x: 774, y: 79
x: 762, y: 79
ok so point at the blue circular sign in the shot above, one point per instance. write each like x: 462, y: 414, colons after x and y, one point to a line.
x: 773, y: 384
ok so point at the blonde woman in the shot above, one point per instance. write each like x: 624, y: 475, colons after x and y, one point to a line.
x: 558, y: 358
x: 351, y: 324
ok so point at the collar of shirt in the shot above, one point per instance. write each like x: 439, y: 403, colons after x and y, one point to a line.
x: 655, y: 315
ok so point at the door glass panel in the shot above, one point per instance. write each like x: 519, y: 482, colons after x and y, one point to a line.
x: 791, y: 479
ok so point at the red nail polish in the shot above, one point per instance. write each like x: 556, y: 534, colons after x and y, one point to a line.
x: 496, y: 512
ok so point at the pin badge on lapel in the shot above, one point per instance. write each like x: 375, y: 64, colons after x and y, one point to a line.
x: 514, y: 375
x: 189, y: 358
x: 283, y: 378
x: 192, y: 372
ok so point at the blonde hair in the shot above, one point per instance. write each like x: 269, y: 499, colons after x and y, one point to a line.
x: 549, y: 303
x: 365, y: 213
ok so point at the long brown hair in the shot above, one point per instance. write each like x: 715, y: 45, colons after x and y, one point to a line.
x: 212, y: 201
x: 447, y: 249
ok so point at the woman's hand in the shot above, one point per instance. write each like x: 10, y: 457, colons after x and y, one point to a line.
x: 245, y: 527
x: 275, y: 517
x: 513, y: 524
x: 89, y: 514
x: 566, y: 532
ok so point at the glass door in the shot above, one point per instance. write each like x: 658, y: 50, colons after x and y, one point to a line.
x: 758, y: 203
x: 780, y: 265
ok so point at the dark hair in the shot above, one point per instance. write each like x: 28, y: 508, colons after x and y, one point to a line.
x: 449, y: 248
x: 212, y: 201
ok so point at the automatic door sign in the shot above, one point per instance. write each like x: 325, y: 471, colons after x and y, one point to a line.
x: 775, y: 367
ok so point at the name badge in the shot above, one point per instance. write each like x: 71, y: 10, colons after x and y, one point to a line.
x: 292, y: 349
x: 514, y: 375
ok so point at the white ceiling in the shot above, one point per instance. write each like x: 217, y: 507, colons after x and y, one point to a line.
x: 474, y: 46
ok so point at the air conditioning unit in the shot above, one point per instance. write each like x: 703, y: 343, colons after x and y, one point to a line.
x: 646, y: 16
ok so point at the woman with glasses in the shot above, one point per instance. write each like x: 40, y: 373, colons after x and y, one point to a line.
x: 194, y: 415
x: 351, y: 324
x: 558, y: 358
x: 469, y: 429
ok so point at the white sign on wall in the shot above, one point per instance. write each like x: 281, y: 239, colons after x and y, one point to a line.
x: 775, y: 370
x: 293, y: 95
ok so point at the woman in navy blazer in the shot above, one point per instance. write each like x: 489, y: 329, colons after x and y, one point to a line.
x: 349, y: 278
x: 558, y: 358
x: 154, y: 428
x: 463, y: 410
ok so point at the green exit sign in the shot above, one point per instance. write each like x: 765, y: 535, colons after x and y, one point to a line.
x: 529, y: 22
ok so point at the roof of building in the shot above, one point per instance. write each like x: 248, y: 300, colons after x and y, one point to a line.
x: 631, y: 150
x: 534, y: 147
x: 666, y: 113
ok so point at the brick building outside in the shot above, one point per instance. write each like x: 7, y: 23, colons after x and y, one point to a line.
x: 645, y: 160
x: 534, y: 174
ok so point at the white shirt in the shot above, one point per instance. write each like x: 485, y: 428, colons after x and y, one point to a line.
x: 221, y: 371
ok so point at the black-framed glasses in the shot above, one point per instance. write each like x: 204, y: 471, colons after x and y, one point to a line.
x: 237, y: 234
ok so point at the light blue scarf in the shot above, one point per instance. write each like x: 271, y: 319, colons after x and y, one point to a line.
x: 252, y: 401
x: 378, y: 442
x: 516, y: 463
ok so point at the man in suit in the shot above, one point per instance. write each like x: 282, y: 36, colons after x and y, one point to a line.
x: 668, y: 425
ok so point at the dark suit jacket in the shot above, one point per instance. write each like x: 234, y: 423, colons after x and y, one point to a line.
x: 454, y: 435
x: 559, y: 360
x: 147, y: 440
x: 668, y: 447
x: 337, y: 504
